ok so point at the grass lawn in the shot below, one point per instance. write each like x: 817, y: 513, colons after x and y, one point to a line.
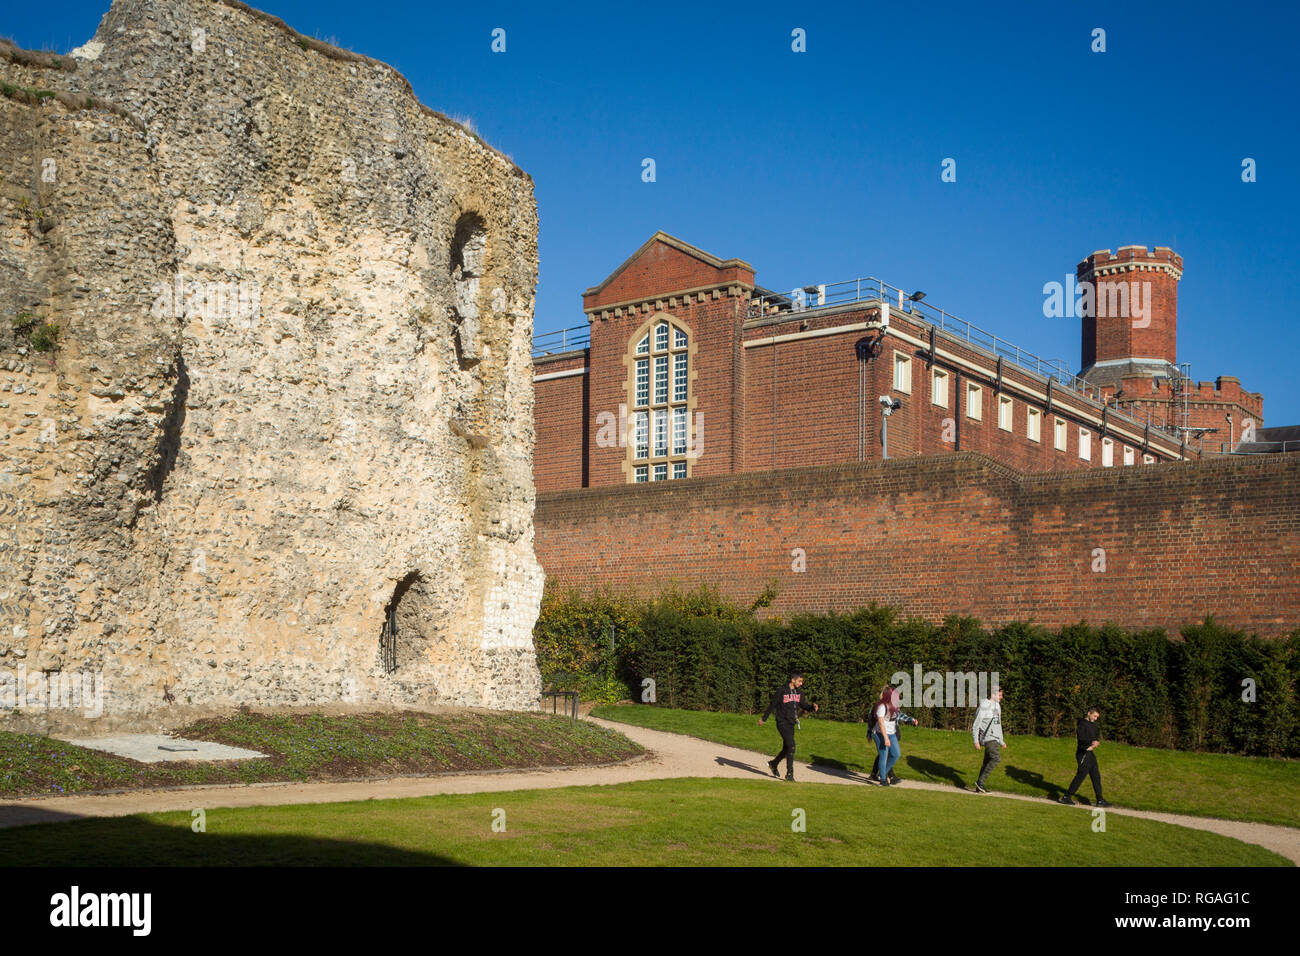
x: 657, y: 823
x: 1255, y: 789
x: 319, y: 747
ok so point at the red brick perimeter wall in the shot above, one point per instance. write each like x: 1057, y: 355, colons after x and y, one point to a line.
x: 958, y: 534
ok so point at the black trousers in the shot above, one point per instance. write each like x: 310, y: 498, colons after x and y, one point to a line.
x: 787, y: 747
x: 1087, y: 768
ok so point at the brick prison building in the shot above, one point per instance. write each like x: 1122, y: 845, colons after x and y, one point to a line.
x: 688, y: 368
x: 1022, y: 493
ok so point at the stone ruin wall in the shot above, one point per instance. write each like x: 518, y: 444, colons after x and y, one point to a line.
x: 291, y: 398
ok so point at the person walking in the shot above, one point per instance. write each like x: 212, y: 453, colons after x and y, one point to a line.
x: 1088, y: 739
x: 786, y: 703
x: 886, y: 716
x: 987, y: 735
x: 902, y: 719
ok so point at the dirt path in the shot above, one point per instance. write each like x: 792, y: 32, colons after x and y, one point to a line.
x: 668, y: 755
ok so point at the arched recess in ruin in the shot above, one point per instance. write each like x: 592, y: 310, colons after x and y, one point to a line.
x: 409, y: 631
x: 468, y: 261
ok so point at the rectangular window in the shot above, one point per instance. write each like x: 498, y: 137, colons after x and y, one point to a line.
x: 661, y: 432
x: 1128, y: 455
x: 661, y: 379
x: 679, y: 430
x: 939, y: 387
x: 1148, y: 459
x: 679, y: 377
x: 661, y: 472
x: 1033, y: 424
x: 974, y: 401
x: 1004, y: 413
x: 642, y: 383
x: 679, y: 469
x: 902, y: 373
x: 661, y: 337
x: 1085, y: 444
x: 642, y: 473
x: 1107, y: 453
x: 1061, y: 434
x: 641, y: 423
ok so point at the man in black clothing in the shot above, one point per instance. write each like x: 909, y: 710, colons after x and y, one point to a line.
x: 1089, y: 738
x: 786, y: 704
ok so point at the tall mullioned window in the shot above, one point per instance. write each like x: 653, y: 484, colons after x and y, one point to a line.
x: 660, y: 402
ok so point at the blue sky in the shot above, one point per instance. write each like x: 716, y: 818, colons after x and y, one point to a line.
x: 825, y: 165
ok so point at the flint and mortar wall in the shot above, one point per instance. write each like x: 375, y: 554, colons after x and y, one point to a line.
x: 280, y: 395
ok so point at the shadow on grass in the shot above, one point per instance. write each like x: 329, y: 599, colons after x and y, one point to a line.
x: 134, y: 841
x: 1031, y: 778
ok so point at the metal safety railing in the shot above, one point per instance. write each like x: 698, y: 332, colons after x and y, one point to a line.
x: 562, y: 340
x: 1258, y: 447
x: 870, y: 289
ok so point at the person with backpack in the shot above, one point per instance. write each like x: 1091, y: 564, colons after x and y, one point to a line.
x: 986, y: 732
x: 902, y: 719
x: 1088, y: 739
x: 786, y: 703
x: 884, y: 733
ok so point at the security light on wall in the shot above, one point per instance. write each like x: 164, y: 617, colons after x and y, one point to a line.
x: 916, y: 297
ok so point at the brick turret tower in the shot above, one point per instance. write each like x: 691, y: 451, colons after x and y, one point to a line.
x: 1130, y: 319
x: 1130, y: 351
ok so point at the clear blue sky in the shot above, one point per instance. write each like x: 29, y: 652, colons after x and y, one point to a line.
x: 825, y: 165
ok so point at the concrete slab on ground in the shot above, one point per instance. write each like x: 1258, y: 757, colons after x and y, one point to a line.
x: 159, y: 748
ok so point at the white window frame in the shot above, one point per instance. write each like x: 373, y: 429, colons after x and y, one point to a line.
x: 1107, y: 453
x: 1034, y: 425
x: 641, y: 435
x: 661, y: 401
x: 1085, y: 444
x: 902, y: 373
x: 1129, y: 455
x: 1006, y: 422
x: 661, y: 332
x: 1061, y: 434
x: 974, y: 402
x: 1148, y: 459
x: 641, y: 398
x: 679, y: 429
x: 939, y: 387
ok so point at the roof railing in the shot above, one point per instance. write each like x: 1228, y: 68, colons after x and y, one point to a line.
x: 1258, y: 447
x: 871, y: 289
x: 563, y: 340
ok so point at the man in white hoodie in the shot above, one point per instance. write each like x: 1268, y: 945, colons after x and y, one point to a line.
x: 987, y: 734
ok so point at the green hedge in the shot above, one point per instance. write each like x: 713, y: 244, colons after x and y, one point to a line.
x: 705, y: 654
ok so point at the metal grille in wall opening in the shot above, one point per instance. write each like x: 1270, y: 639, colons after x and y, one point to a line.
x: 388, y: 639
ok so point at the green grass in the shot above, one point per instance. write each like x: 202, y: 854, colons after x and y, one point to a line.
x: 664, y: 822
x: 1254, y: 789
x: 319, y: 747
